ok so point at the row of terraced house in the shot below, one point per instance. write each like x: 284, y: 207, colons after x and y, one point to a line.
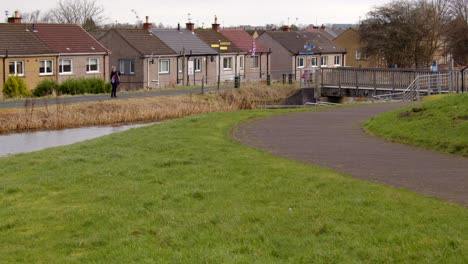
x: 155, y: 58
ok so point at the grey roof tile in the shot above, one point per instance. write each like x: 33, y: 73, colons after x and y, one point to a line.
x: 178, y: 40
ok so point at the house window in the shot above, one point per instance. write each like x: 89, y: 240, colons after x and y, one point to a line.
x: 241, y: 62
x: 127, y: 66
x: 358, y: 54
x: 92, y: 65
x: 180, y: 66
x: 227, y: 63
x: 366, y: 55
x: 45, y: 67
x: 324, y: 61
x: 164, y: 66
x: 254, y: 62
x: 65, y: 66
x: 16, y: 68
x: 300, y: 62
x: 337, y: 60
x: 314, y: 62
x: 197, y: 64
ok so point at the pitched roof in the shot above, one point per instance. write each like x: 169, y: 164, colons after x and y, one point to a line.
x: 144, y: 42
x: 67, y: 38
x: 178, y: 40
x: 322, y: 43
x: 243, y: 40
x: 295, y: 42
x: 18, y: 39
x: 210, y: 36
x: 290, y: 40
x: 330, y: 33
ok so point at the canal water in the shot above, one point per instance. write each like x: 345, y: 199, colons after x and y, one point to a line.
x: 33, y: 141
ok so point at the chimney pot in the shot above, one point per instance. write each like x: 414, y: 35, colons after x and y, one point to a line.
x: 215, y: 26
x: 147, y: 25
x: 16, y: 19
x: 190, y: 26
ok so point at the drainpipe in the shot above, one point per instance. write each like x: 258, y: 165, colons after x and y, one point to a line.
x: 295, y: 67
x: 4, y: 66
x: 260, y: 58
x: 148, y: 72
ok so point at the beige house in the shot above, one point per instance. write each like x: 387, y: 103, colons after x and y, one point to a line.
x: 142, y: 58
x: 36, y: 52
x: 297, y: 52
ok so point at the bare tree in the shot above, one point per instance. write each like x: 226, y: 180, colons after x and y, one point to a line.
x: 33, y: 17
x: 457, y: 31
x: 406, y: 33
x: 86, y: 13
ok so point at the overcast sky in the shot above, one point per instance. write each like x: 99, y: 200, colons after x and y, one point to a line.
x: 230, y: 13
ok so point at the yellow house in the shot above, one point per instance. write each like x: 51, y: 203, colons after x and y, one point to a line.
x: 356, y: 55
x: 36, y: 52
x: 24, y: 55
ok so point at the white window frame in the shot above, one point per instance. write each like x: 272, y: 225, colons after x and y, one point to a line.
x: 15, y: 63
x: 241, y: 62
x: 229, y: 60
x: 337, y: 60
x: 130, y: 63
x: 88, y: 65
x: 255, y: 62
x: 324, y: 61
x: 314, y: 62
x: 160, y: 70
x: 45, y: 73
x: 197, y: 64
x: 358, y: 54
x: 61, y: 72
x: 300, y: 62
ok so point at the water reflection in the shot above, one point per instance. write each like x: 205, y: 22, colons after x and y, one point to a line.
x: 33, y: 141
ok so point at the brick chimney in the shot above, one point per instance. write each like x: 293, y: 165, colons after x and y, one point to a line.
x: 215, y: 26
x: 147, y: 25
x: 285, y: 28
x: 190, y: 26
x: 16, y: 19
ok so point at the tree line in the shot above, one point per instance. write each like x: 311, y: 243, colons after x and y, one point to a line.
x: 410, y: 33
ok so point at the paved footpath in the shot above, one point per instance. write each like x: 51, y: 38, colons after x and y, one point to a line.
x: 334, y: 138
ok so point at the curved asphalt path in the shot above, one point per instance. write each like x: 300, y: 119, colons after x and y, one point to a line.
x: 334, y: 138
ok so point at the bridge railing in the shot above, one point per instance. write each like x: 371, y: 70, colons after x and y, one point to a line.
x: 425, y: 85
x: 391, y: 79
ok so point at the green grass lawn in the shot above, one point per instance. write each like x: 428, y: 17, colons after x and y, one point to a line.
x: 184, y: 192
x: 440, y: 124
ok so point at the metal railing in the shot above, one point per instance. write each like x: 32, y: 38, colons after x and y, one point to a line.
x: 424, y: 85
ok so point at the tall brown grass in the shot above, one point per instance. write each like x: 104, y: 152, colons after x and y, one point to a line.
x: 60, y: 116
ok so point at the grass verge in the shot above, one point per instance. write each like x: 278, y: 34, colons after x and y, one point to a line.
x: 150, y: 109
x: 439, y: 124
x: 183, y: 192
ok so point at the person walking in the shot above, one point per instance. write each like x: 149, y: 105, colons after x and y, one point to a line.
x: 115, y: 80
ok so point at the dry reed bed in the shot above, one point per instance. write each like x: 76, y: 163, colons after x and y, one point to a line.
x: 60, y: 116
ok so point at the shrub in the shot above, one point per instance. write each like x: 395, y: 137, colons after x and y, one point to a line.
x: 84, y: 85
x: 45, y: 87
x: 15, y: 87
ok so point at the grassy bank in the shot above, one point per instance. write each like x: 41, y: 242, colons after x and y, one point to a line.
x: 183, y: 192
x: 150, y: 109
x: 439, y: 124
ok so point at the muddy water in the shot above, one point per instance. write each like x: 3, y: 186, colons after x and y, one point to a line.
x: 29, y: 142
